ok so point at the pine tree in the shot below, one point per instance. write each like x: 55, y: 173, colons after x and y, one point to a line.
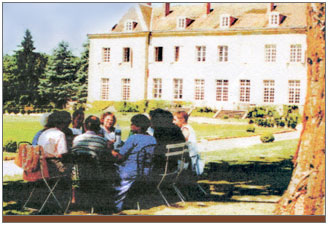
x: 29, y: 67
x: 57, y: 85
x: 81, y: 87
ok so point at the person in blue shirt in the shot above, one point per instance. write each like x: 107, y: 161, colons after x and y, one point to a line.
x: 128, y: 157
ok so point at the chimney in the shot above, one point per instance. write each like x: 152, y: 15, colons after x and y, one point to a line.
x: 271, y: 6
x: 148, y: 3
x: 208, y: 8
x: 167, y: 9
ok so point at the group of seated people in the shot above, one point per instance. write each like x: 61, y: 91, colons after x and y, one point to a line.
x: 158, y: 129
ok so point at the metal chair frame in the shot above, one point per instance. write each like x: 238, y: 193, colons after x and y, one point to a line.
x: 181, y: 148
x: 45, y: 181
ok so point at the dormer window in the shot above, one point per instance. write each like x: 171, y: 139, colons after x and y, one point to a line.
x: 225, y: 21
x: 130, y: 25
x: 274, y: 19
x: 181, y: 23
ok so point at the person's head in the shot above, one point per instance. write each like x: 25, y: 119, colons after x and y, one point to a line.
x: 78, y: 117
x: 59, y: 119
x: 108, y: 120
x: 161, y: 118
x: 92, y: 123
x: 139, y: 123
x: 180, y: 118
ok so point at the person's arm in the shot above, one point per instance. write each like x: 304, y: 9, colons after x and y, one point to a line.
x: 186, y: 133
x: 61, y: 146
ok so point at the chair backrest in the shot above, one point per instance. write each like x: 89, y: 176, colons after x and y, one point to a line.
x: 32, y: 160
x: 175, y: 157
x: 145, y: 160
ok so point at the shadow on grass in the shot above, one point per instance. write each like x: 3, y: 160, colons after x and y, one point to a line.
x: 223, y: 181
x: 252, y: 178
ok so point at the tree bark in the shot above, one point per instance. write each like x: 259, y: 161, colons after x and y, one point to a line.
x: 305, y: 194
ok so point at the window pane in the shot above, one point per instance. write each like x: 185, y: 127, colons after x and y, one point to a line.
x: 104, y: 89
x: 106, y: 54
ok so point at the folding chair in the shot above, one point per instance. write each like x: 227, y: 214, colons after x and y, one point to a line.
x: 144, y: 169
x: 33, y: 161
x: 174, y: 165
x: 92, y: 176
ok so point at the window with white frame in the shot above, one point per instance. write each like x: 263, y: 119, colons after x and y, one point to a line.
x: 225, y: 21
x: 129, y: 25
x: 245, y: 90
x: 176, y: 53
x: 158, y: 54
x: 125, y: 89
x: 104, y: 89
x: 126, y: 54
x: 181, y: 22
x: 199, y: 89
x: 274, y: 19
x: 106, y: 54
x: 201, y: 53
x: 222, y: 90
x: 294, y: 91
x: 269, y: 86
x: 223, y: 53
x: 157, y: 88
x: 270, y: 53
x: 296, y: 53
x: 177, y: 88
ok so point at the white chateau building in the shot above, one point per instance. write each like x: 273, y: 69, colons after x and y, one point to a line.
x: 220, y: 55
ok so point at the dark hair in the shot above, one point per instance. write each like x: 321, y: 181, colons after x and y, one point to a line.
x: 183, y: 114
x: 77, y: 112
x: 102, y: 118
x: 141, y: 121
x: 92, y: 123
x: 161, y: 118
x: 58, y: 118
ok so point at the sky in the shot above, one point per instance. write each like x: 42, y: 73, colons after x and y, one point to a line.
x: 51, y: 23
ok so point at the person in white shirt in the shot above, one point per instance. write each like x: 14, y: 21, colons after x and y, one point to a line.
x: 181, y: 120
x: 54, y: 142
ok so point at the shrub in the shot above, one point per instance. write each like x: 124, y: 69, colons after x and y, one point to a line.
x: 10, y: 146
x: 250, y: 129
x: 142, y: 105
x: 251, y: 121
x: 154, y: 104
x: 282, y: 123
x: 267, y: 137
x: 225, y: 117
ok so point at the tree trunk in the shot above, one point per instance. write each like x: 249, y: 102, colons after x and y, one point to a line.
x: 306, y: 191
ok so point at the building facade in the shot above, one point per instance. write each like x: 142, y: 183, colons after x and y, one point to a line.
x: 220, y: 55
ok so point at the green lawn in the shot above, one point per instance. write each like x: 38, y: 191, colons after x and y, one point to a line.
x: 268, y: 152
x: 23, y: 128
x: 229, y: 130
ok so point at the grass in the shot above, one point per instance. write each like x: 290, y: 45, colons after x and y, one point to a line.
x: 269, y: 153
x: 24, y: 127
x: 240, y: 181
x: 229, y: 130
